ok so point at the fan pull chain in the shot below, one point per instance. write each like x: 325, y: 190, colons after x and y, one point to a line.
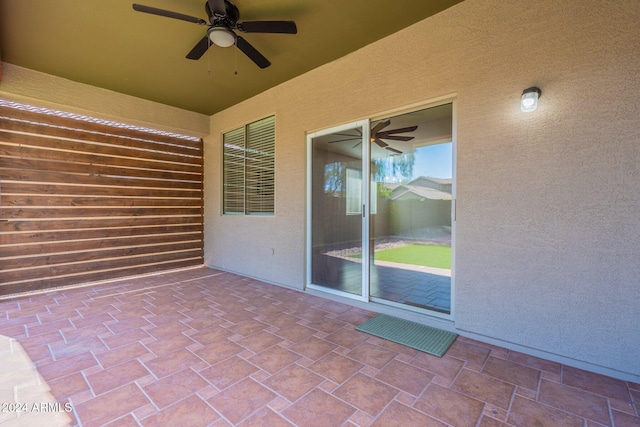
x: 208, y: 56
x: 235, y: 61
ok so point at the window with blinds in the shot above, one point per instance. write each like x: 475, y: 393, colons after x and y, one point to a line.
x: 249, y: 169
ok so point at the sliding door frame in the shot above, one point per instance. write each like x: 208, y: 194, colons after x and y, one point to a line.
x: 366, y: 188
x: 363, y: 125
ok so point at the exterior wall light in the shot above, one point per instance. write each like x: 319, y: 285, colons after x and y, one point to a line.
x: 529, y: 100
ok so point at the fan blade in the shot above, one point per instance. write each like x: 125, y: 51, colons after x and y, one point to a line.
x: 380, y: 143
x: 393, y: 150
x: 377, y: 128
x: 396, y: 137
x: 280, y: 27
x: 349, y: 134
x: 401, y: 130
x: 353, y: 138
x: 252, y: 53
x: 168, y: 14
x: 217, y: 7
x: 199, y: 49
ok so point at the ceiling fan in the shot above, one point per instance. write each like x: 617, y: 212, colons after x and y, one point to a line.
x: 377, y: 136
x: 223, y: 20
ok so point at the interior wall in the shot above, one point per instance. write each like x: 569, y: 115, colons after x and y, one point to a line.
x: 32, y: 87
x: 547, y: 208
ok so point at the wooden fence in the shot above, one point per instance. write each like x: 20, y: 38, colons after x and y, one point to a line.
x: 83, y: 200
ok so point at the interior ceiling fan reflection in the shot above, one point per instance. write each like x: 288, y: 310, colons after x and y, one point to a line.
x: 223, y: 20
x: 378, y: 135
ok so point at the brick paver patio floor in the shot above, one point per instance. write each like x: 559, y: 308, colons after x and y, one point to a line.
x: 203, y: 347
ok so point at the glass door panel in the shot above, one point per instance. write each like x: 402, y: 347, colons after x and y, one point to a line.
x: 410, y: 229
x: 336, y: 209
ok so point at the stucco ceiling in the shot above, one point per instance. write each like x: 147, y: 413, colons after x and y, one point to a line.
x: 105, y: 43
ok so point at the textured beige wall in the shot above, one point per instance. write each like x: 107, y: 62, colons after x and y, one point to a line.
x: 31, y: 87
x: 548, y: 202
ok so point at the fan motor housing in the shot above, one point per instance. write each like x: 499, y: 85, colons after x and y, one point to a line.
x: 233, y: 14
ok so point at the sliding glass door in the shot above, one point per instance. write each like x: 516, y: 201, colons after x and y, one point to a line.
x: 336, y: 222
x: 394, y: 246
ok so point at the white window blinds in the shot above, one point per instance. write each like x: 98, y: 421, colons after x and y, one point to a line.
x: 249, y: 169
x: 233, y: 171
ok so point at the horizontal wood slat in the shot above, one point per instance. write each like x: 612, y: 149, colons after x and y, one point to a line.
x: 95, y: 276
x: 13, y: 264
x: 97, y: 170
x: 19, y: 150
x: 13, y: 276
x: 51, y: 225
x: 11, y: 200
x: 83, y: 200
x: 71, y: 145
x: 50, y: 124
x: 14, y: 174
x: 13, y: 187
x: 8, y: 239
x: 75, y: 212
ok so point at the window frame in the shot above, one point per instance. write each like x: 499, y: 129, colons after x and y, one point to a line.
x: 248, y: 169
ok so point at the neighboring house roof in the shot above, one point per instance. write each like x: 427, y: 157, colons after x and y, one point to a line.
x: 413, y: 192
x: 439, y: 181
x: 422, y: 188
x: 391, y: 186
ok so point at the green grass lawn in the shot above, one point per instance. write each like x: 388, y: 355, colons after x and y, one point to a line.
x: 426, y: 255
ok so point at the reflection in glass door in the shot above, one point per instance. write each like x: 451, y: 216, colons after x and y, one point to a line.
x: 336, y: 207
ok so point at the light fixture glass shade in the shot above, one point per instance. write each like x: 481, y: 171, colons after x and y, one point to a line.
x: 222, y: 37
x: 529, y: 100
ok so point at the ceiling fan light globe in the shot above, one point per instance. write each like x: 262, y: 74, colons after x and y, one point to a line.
x: 222, y: 37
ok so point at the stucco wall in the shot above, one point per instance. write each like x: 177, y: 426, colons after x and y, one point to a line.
x: 31, y: 87
x: 548, y: 203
